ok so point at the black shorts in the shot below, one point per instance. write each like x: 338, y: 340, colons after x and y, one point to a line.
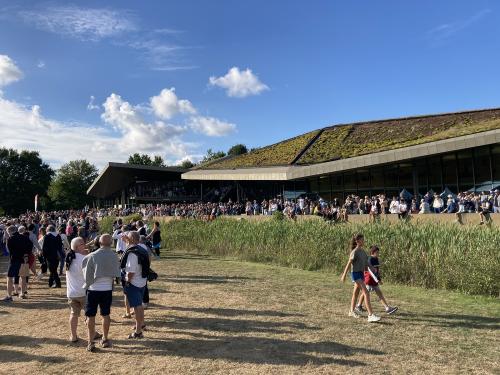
x: 99, y: 298
x: 14, y: 268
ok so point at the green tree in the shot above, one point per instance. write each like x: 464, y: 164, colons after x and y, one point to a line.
x: 69, y: 187
x: 186, y: 164
x: 144, y: 159
x: 212, y: 155
x: 238, y: 149
x: 22, y: 176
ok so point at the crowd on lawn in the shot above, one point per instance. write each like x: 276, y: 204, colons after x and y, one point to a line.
x: 67, y: 245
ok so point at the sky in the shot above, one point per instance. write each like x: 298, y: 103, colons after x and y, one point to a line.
x: 101, y: 80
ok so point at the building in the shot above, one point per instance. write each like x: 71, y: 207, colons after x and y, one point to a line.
x: 455, y: 151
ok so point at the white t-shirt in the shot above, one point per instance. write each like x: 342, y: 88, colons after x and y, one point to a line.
x: 102, y: 284
x: 74, y: 278
x: 134, y: 266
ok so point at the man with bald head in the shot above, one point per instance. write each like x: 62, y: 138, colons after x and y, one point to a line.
x: 99, y: 270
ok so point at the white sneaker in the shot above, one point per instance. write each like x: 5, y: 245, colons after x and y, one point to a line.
x: 353, y: 314
x: 373, y: 318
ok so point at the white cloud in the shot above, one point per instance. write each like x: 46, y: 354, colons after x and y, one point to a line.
x: 9, y: 72
x: 166, y: 105
x: 447, y: 30
x: 211, y: 126
x: 239, y: 83
x: 91, y: 24
x: 40, y: 64
x: 92, y: 106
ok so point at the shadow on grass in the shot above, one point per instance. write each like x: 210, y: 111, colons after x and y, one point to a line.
x: 229, y: 325
x: 231, y: 312
x: 18, y: 356
x: 205, y: 279
x: 256, y: 350
x: 29, y: 342
x: 452, y: 320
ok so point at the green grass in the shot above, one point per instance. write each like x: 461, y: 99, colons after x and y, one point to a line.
x: 445, y: 257
x: 217, y: 315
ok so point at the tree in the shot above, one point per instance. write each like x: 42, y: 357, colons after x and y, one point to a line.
x: 212, y: 155
x: 238, y: 149
x: 69, y: 187
x: 22, y: 176
x: 144, y: 159
x: 186, y: 164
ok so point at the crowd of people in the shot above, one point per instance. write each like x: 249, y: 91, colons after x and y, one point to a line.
x: 68, y: 245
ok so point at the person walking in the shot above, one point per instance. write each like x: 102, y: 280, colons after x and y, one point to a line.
x: 155, y: 237
x: 99, y: 269
x: 74, y: 284
x: 135, y: 269
x: 52, y: 246
x: 19, y: 247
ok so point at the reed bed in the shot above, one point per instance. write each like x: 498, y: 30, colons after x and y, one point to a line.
x: 452, y: 257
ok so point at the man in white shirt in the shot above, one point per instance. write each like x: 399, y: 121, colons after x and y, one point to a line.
x: 74, y: 284
x: 133, y: 262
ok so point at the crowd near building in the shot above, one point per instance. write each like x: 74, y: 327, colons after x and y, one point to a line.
x: 423, y: 159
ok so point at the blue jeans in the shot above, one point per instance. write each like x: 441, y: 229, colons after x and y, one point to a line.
x: 62, y: 258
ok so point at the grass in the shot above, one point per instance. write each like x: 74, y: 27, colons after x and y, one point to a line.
x: 447, y: 257
x: 281, y: 153
x: 346, y: 141
x: 222, y: 316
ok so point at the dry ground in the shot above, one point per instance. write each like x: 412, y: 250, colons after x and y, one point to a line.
x: 213, y: 315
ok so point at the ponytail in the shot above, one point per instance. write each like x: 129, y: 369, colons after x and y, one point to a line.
x: 69, y: 259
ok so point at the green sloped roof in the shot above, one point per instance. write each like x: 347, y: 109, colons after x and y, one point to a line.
x: 349, y: 140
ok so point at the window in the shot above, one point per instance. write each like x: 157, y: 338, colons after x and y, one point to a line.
x: 434, y: 174
x: 422, y: 174
x: 391, y: 177
x: 337, y: 182
x: 350, y: 181
x: 406, y: 176
x: 325, y: 187
x: 495, y: 162
x: 363, y: 179
x: 465, y: 170
x: 377, y: 176
x: 450, y: 172
x: 482, y: 169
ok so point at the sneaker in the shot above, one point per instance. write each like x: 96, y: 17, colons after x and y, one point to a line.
x: 391, y: 310
x: 353, y: 314
x: 373, y: 318
x: 135, y: 335
x: 7, y: 299
x: 359, y: 310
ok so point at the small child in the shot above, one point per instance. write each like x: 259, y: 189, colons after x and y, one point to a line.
x: 358, y: 262
x: 373, y: 284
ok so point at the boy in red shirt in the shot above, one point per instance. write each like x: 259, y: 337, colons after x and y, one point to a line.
x: 372, y: 281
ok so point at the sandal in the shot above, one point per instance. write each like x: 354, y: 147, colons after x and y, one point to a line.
x: 105, y: 343
x: 97, y: 336
x: 126, y: 316
x: 91, y: 347
x: 135, y: 335
x: 74, y: 341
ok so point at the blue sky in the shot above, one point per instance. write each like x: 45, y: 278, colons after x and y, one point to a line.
x: 253, y: 73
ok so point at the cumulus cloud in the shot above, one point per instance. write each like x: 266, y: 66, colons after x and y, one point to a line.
x: 92, y: 106
x: 9, y: 72
x: 211, y: 126
x: 166, y: 105
x: 91, y: 24
x: 239, y: 83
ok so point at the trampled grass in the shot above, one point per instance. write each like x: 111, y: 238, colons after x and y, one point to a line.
x: 219, y: 315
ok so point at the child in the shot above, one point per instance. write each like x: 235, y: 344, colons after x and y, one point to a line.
x: 373, y: 284
x: 358, y: 261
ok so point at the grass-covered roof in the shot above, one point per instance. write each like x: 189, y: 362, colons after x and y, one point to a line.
x: 346, y: 141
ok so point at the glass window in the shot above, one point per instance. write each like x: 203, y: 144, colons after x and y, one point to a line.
x: 450, y: 172
x: 325, y: 187
x: 482, y: 170
x: 465, y: 170
x: 363, y: 179
x: 406, y: 176
x: 422, y: 173
x: 313, y: 183
x: 350, y: 181
x: 337, y: 182
x: 434, y: 175
x: 391, y: 177
x: 377, y: 176
x: 495, y: 162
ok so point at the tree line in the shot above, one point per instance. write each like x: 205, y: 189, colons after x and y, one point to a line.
x: 23, y: 174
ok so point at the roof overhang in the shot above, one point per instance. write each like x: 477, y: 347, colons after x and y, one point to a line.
x: 294, y: 172
x: 116, y: 176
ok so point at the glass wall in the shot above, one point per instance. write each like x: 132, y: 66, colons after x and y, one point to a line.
x: 471, y: 169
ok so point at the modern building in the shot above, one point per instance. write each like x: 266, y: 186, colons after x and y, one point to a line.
x: 455, y: 151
